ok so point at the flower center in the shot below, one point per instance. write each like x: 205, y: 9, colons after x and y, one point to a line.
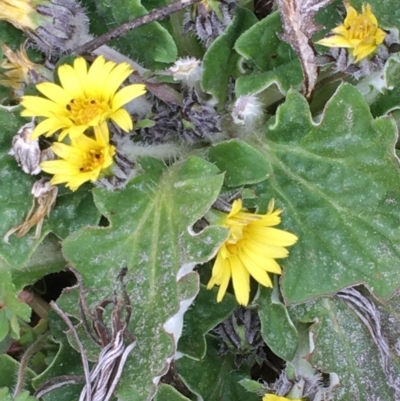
x: 87, y: 111
x: 95, y: 159
x: 362, y: 28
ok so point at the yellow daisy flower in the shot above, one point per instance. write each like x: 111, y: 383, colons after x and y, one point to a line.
x: 250, y: 250
x: 273, y: 397
x: 86, y: 98
x: 81, y: 161
x: 359, y: 33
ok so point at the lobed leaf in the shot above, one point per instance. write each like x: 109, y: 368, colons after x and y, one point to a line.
x: 150, y: 234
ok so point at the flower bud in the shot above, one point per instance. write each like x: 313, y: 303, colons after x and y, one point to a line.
x: 187, y: 70
x: 209, y: 19
x: 25, y: 150
x: 54, y: 25
x: 247, y: 110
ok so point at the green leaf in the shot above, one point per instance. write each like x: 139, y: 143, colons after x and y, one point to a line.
x: 204, y: 314
x: 383, y: 96
x: 168, y: 393
x: 339, y: 184
x: 14, y: 309
x: 277, y: 328
x: 220, y: 60
x: 253, y: 386
x: 46, y: 259
x: 149, y: 233
x: 24, y: 396
x: 214, y: 377
x: 277, y: 66
x: 343, y: 344
x: 73, y: 210
x: 66, y: 362
x: 9, y: 368
x: 241, y: 163
x: 150, y: 44
x: 261, y: 45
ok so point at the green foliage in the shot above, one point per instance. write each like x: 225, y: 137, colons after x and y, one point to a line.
x: 151, y: 44
x: 148, y: 233
x: 329, y: 162
x: 216, y: 378
x: 344, y: 345
x: 336, y: 181
x: 241, y: 163
x: 276, y: 65
x: 220, y: 59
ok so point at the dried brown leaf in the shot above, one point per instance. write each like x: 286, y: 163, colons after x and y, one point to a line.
x: 299, y: 26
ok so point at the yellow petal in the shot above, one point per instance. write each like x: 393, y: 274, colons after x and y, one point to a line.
x: 39, y: 107
x: 94, y: 76
x: 54, y: 93
x: 127, y: 94
x: 49, y: 126
x: 115, y: 79
x: 240, y: 280
x: 335, y: 41
x: 256, y: 272
x: 122, y: 119
x: 70, y: 81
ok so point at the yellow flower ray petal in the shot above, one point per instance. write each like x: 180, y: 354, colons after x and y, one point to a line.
x: 54, y: 92
x: 52, y: 125
x: 70, y: 81
x: 40, y: 107
x: 127, y: 94
x: 240, y: 280
x: 122, y: 118
x: 255, y: 270
x: 115, y: 78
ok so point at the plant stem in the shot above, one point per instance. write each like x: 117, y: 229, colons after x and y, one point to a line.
x: 157, y: 14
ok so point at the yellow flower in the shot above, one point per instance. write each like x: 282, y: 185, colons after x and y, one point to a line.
x: 250, y: 250
x: 81, y: 161
x: 273, y: 397
x: 359, y: 33
x: 86, y: 98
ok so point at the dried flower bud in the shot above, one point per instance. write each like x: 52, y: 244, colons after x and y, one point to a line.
x: 19, y: 71
x: 210, y: 18
x: 187, y: 70
x: 194, y: 121
x: 54, y: 25
x: 45, y: 195
x: 47, y: 154
x: 247, y: 110
x: 25, y: 150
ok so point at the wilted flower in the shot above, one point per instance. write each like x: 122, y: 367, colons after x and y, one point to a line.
x: 81, y: 161
x: 250, y: 250
x: 86, y: 98
x: 26, y: 150
x: 187, y: 70
x: 54, y: 25
x: 18, y: 69
x: 359, y: 33
x: 45, y: 195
